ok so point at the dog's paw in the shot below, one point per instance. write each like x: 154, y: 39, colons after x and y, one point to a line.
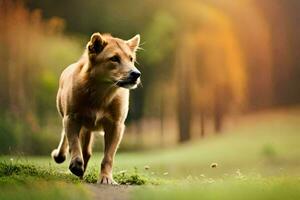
x: 57, y: 157
x: 106, y: 180
x: 76, y: 167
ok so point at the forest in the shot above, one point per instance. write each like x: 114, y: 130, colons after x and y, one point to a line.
x: 216, y: 116
x: 203, y: 63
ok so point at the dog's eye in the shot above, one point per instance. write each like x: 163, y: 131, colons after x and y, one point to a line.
x: 115, y: 59
x: 131, y: 59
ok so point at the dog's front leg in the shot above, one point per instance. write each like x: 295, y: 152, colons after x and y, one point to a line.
x: 113, y: 135
x: 72, y: 129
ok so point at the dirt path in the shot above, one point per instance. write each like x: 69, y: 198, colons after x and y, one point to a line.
x: 108, y: 192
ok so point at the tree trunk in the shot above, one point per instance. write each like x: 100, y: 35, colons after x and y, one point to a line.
x: 218, y: 111
x: 184, y: 112
x: 162, y: 120
x: 202, y: 124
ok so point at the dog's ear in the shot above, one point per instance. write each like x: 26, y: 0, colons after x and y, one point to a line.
x: 96, y: 44
x: 134, y: 42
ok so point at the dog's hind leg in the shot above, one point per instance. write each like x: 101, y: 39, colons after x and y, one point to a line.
x: 59, y: 154
x: 86, y: 137
x: 72, y: 129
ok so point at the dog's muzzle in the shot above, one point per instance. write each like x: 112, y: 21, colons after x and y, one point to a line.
x: 131, y: 81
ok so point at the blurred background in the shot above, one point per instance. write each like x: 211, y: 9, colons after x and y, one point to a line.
x: 206, y: 65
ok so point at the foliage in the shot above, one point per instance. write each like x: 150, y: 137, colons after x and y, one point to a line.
x: 33, y: 53
x: 200, y: 59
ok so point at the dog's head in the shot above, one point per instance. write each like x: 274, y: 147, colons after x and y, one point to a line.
x: 112, y: 60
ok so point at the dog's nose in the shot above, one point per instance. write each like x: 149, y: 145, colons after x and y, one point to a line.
x: 135, y: 74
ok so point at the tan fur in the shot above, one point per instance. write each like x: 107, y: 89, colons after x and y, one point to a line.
x: 93, y: 95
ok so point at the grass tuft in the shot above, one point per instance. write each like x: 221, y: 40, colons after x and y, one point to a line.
x: 125, y: 177
x: 19, y: 172
x: 16, y: 171
x: 131, y: 178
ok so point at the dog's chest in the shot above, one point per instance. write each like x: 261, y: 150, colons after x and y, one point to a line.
x: 108, y: 105
x: 91, y: 117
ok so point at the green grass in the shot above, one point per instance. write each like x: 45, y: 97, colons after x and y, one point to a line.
x: 36, y: 190
x: 225, y: 189
x: 22, y: 180
x: 258, y: 159
x: 21, y: 171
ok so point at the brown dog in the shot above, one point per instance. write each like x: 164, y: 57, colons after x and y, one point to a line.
x: 93, y: 95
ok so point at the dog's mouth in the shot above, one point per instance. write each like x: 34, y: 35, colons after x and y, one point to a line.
x: 129, y: 83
